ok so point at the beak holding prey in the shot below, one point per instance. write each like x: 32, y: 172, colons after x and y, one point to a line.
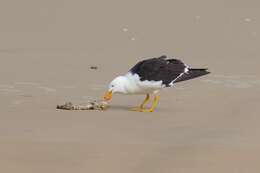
x: 108, y: 96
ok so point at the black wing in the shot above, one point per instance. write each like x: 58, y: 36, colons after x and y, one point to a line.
x: 159, y: 69
x: 192, y: 73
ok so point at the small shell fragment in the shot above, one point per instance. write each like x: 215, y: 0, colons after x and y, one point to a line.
x: 94, y: 67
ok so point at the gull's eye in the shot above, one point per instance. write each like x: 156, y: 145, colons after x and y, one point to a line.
x: 112, y: 85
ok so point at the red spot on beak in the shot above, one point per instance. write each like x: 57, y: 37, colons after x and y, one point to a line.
x: 108, y: 96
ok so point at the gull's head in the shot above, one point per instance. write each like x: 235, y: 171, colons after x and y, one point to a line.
x: 116, y: 86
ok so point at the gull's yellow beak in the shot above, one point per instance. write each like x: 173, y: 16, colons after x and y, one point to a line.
x: 108, y: 96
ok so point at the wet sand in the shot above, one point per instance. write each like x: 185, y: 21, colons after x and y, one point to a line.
x: 206, y: 125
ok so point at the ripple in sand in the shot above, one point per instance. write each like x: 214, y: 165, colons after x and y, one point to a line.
x: 6, y: 86
x: 180, y: 88
x: 26, y: 95
x: 234, y: 81
x: 98, y: 87
x: 87, y: 97
x: 68, y: 87
x: 8, y: 90
x: 47, y: 89
x: 26, y: 83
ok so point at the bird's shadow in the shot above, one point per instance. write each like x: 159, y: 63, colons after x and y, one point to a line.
x: 125, y: 107
x: 120, y: 107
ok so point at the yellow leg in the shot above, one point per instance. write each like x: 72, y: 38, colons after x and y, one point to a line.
x: 145, y: 101
x: 141, y: 107
x: 154, y: 103
x: 151, y: 109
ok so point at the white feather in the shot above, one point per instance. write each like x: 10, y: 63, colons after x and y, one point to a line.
x: 131, y: 84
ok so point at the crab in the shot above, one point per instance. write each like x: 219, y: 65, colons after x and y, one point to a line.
x: 93, y: 105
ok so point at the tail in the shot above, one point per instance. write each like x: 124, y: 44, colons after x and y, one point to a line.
x: 193, y: 73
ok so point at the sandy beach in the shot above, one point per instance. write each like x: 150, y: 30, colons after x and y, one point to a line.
x: 207, y: 125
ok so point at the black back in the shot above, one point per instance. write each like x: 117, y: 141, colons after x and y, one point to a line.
x: 159, y: 69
